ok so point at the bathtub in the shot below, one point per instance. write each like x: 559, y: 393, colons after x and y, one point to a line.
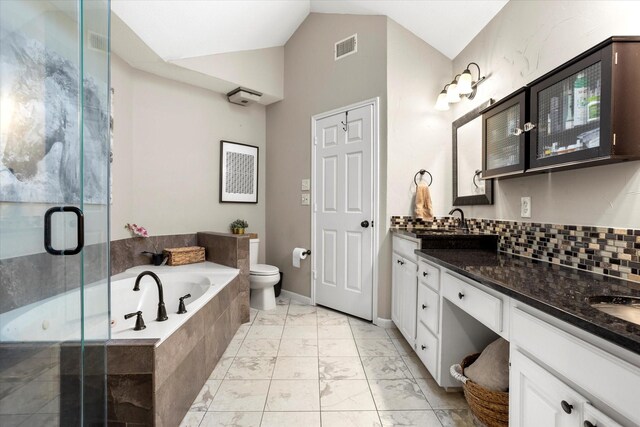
x: 58, y: 318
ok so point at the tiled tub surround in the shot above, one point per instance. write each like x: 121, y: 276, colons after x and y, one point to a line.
x: 154, y: 384
x: 559, y: 291
x: 608, y: 251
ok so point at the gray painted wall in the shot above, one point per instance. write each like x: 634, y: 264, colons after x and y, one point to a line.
x: 315, y: 83
x: 523, y: 42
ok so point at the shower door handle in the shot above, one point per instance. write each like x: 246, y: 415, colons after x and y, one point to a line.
x: 47, y: 230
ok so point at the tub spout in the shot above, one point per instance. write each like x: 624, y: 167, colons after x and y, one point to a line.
x: 162, y: 311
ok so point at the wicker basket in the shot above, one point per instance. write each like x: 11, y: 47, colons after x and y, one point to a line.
x: 182, y: 256
x: 490, y: 407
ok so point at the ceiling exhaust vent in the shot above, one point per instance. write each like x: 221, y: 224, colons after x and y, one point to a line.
x: 243, y: 96
x: 346, y: 47
x: 98, y: 42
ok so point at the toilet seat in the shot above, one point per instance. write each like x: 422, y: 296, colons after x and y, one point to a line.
x: 263, y: 270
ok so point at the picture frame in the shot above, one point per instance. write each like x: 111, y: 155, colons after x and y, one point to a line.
x: 238, y: 172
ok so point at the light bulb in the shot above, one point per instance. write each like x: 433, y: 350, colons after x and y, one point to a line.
x: 465, y: 83
x: 441, y: 102
x: 453, y: 95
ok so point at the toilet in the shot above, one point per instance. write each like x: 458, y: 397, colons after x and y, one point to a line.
x: 262, y: 277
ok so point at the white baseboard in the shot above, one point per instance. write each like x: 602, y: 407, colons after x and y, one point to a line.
x: 385, y: 323
x: 295, y: 297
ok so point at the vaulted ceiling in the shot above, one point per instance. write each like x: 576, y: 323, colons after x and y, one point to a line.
x: 177, y: 29
x: 222, y: 44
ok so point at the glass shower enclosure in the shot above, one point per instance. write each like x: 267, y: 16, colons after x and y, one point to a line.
x: 54, y: 211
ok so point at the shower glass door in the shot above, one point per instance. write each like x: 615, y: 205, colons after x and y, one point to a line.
x: 54, y: 158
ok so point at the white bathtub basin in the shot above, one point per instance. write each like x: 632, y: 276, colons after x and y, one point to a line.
x: 58, y: 318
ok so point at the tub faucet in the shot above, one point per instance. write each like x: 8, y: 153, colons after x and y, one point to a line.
x: 463, y: 222
x: 162, y: 311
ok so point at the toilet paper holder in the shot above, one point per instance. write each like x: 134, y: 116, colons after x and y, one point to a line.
x: 307, y: 252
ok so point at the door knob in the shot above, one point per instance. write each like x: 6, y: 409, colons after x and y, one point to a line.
x: 364, y: 224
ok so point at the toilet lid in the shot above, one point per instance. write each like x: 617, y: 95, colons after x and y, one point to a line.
x: 264, y: 270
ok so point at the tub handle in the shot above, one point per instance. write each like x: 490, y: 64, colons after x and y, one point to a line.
x: 181, y: 307
x: 139, y: 320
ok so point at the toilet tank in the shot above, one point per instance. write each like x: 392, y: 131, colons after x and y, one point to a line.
x: 254, y: 248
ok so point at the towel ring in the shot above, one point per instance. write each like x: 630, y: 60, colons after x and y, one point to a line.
x: 421, y: 172
x: 476, y: 175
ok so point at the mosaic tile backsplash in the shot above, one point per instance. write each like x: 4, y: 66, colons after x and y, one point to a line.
x: 601, y: 250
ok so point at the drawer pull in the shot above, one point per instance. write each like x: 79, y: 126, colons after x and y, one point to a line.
x: 589, y: 424
x: 424, y: 347
x: 425, y: 274
x: 566, y: 407
x: 424, y: 306
x: 460, y: 295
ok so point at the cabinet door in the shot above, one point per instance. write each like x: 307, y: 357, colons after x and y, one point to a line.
x: 595, y: 418
x: 409, y: 300
x: 396, y: 291
x: 537, y: 398
x: 503, y: 138
x: 571, y: 111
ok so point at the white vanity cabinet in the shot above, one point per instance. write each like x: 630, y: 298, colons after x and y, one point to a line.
x: 404, y: 286
x: 560, y: 375
x: 537, y: 398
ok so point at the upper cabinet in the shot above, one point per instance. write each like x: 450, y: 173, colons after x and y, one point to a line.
x: 580, y: 114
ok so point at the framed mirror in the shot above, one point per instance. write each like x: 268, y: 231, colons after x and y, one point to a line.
x: 468, y: 186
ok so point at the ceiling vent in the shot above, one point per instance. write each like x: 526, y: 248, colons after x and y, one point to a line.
x: 98, y: 42
x: 346, y: 47
x: 243, y: 96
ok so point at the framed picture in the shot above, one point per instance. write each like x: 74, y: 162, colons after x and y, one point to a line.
x: 238, y: 173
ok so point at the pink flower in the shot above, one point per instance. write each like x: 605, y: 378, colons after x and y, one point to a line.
x: 137, y: 230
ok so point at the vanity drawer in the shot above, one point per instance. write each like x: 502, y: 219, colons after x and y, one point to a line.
x: 405, y: 247
x: 427, y: 349
x: 484, y: 307
x: 428, y: 307
x: 429, y: 275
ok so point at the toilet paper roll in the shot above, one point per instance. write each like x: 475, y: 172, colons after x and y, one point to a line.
x: 298, y: 254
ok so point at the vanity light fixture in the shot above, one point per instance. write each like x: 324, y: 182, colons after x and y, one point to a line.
x: 462, y: 85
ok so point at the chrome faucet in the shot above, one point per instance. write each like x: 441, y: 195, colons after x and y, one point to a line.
x: 162, y: 311
x: 463, y: 222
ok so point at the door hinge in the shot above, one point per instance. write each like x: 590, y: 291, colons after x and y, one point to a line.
x: 614, y: 139
x: 315, y: 207
x: 616, y: 58
x: 314, y: 275
x: 315, y: 140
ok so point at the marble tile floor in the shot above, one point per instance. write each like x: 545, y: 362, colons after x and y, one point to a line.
x: 300, y: 365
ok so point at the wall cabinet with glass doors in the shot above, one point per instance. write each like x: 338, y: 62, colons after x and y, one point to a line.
x: 581, y: 114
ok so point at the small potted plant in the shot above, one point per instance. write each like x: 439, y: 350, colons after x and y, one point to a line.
x: 238, y: 226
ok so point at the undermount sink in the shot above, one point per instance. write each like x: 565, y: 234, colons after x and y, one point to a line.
x: 625, y: 308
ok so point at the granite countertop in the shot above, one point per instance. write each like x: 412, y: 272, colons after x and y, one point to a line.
x: 559, y: 291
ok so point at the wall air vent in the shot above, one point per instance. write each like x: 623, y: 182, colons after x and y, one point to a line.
x: 98, y: 42
x: 346, y: 47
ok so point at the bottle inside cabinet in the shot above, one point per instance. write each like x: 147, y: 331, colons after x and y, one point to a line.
x: 569, y: 114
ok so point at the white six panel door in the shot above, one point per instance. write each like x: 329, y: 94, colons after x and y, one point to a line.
x: 343, y: 201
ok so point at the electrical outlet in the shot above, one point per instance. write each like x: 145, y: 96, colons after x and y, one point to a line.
x: 306, y: 184
x: 306, y: 199
x: 525, y: 207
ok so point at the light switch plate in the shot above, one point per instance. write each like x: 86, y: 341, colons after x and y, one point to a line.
x: 306, y: 184
x: 306, y: 199
x: 525, y: 207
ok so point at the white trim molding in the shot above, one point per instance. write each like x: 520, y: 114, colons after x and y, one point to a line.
x: 295, y: 297
x: 384, y: 323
